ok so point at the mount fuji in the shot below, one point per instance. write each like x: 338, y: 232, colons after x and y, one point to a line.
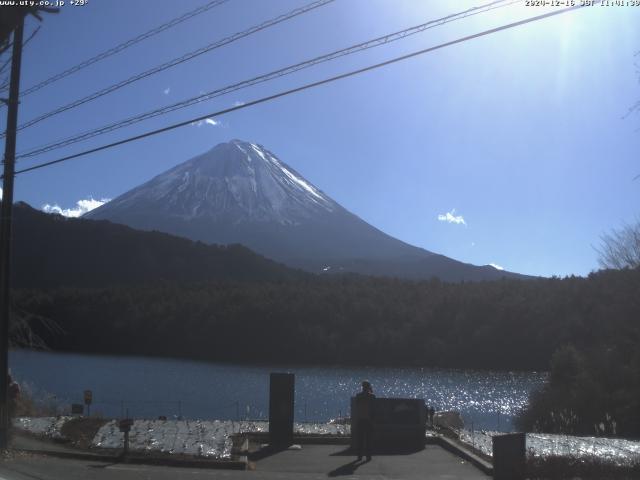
x: 240, y: 192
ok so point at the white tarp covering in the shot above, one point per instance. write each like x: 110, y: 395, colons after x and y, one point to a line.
x: 45, y: 426
x: 210, y: 438
x: 541, y: 444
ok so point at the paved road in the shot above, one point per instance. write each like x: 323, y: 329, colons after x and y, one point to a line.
x: 311, y: 463
x: 28, y: 442
x: 322, y: 461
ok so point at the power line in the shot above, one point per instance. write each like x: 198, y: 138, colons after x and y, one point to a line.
x: 266, y: 77
x: 385, y: 39
x: 177, y: 61
x: 124, y: 45
x: 5, y: 83
x: 8, y: 61
x: 301, y: 88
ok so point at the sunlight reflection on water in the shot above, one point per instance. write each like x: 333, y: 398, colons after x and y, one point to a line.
x: 149, y: 387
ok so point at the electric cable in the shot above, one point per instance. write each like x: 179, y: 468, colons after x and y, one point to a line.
x: 303, y: 87
x: 385, y: 39
x: 176, y: 61
x: 123, y: 46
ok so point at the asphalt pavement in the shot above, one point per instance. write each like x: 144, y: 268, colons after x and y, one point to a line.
x: 309, y: 462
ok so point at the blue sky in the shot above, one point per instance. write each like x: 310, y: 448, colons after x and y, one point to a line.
x: 521, y: 134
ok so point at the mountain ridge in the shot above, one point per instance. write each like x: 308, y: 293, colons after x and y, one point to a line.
x: 50, y: 251
x: 240, y: 192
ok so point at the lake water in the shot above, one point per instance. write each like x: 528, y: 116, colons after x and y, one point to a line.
x: 149, y: 387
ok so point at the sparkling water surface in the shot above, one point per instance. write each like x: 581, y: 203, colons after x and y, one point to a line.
x: 150, y: 387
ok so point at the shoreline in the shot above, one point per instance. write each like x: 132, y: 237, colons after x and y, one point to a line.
x: 275, y: 365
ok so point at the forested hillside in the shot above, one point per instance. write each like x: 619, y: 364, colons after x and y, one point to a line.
x: 92, y: 286
x: 508, y: 324
x: 51, y: 251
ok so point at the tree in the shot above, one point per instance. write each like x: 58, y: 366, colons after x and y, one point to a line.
x: 621, y: 248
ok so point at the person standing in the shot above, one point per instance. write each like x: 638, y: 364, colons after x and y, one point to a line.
x: 364, y: 420
x: 13, y: 394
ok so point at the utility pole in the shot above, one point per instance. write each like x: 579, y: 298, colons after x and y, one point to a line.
x: 5, y: 230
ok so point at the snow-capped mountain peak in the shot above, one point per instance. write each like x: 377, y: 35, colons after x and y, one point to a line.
x: 235, y: 179
x: 294, y: 179
x: 240, y: 192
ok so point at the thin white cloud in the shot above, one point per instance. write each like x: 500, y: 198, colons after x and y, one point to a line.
x: 82, y: 207
x: 451, y: 217
x: 238, y: 103
x: 496, y: 266
x: 166, y: 90
x: 0, y: 193
x: 207, y: 121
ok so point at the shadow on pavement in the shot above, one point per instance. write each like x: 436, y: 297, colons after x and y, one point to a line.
x: 350, y: 452
x: 104, y: 465
x: 347, y: 468
x: 265, y: 452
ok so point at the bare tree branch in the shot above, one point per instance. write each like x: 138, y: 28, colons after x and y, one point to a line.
x: 22, y: 334
x: 620, y: 248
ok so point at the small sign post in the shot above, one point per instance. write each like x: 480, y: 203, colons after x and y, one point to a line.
x: 125, y: 427
x: 88, y: 398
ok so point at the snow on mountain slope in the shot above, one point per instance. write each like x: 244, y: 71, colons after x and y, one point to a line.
x: 237, y: 179
x: 240, y: 192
